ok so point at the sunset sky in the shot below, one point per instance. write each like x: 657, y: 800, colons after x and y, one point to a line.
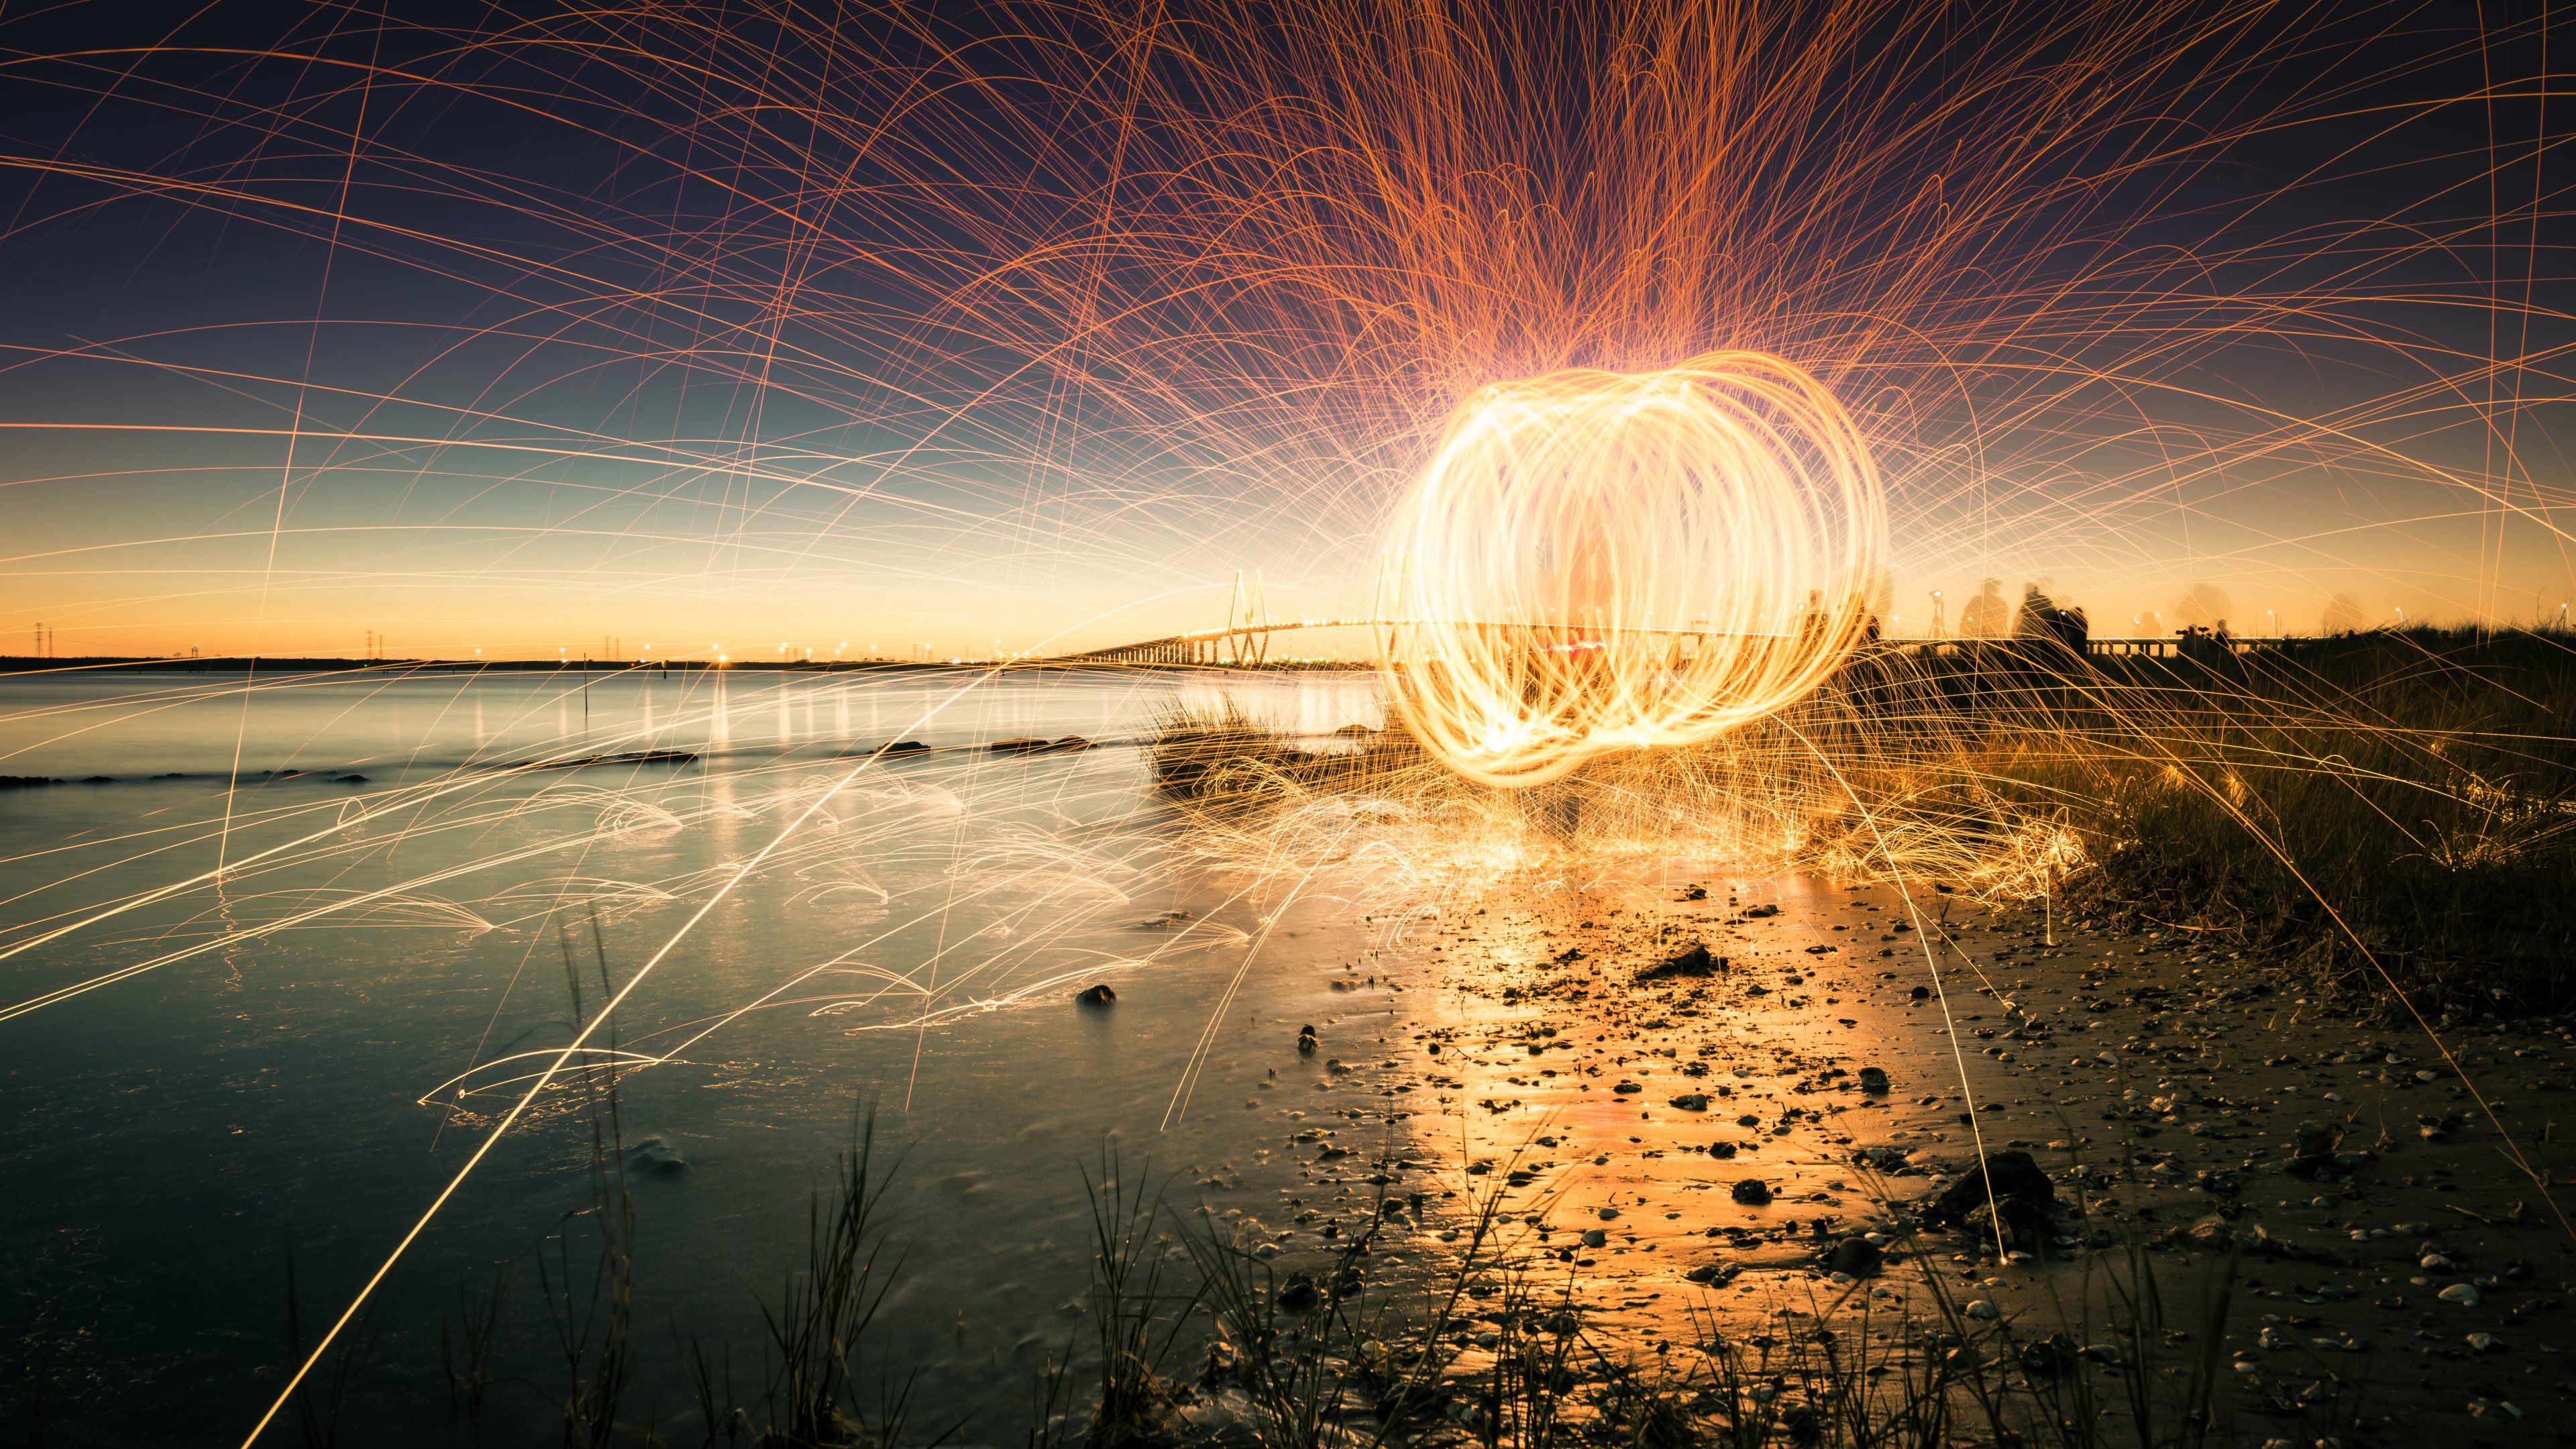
x: 694, y: 328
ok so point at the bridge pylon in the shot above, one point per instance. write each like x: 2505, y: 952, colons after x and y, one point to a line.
x: 1388, y: 604
x: 1247, y: 623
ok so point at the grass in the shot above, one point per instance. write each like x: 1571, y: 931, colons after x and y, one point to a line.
x: 1494, y: 1351
x: 1204, y: 1335
x: 2383, y: 813
x: 2393, y: 811
x: 1224, y: 759
x: 2386, y: 812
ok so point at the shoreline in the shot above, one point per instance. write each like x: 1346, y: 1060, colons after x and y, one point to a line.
x: 2179, y: 1103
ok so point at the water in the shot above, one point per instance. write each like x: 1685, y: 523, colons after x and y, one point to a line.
x: 298, y: 1056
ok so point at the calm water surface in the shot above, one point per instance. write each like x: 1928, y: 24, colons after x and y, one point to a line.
x: 402, y: 914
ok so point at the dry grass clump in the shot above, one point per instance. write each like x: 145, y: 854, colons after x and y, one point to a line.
x: 1494, y: 1350
x: 2385, y: 811
x: 2394, y: 810
x: 1224, y: 758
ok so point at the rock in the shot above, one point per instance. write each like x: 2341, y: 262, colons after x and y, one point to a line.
x: 2463, y: 1294
x: 1753, y: 1192
x: 1609, y: 1215
x: 1920, y: 992
x: 1021, y: 745
x: 1099, y: 995
x: 1695, y: 893
x: 1066, y: 745
x: 1757, y: 912
x: 1889, y: 1159
x: 2006, y: 1185
x: 1721, y: 1149
x: 654, y: 1157
x: 2050, y: 1356
x: 903, y: 747
x: 99, y: 780
x: 1404, y: 1405
x: 1163, y: 921
x: 2313, y: 1147
x: 1749, y: 1119
x: 1983, y: 1311
x: 24, y: 782
x: 1628, y: 1089
x: 349, y: 780
x: 1704, y: 1273
x: 1873, y: 1080
x: 1691, y: 1102
x: 1694, y: 962
x: 1299, y: 1294
x: 1595, y: 1238
x: 2002, y: 1175
x: 2211, y: 1231
x: 1305, y: 1041
x: 1857, y: 1256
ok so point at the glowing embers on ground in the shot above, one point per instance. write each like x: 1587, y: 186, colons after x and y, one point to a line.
x: 1599, y: 561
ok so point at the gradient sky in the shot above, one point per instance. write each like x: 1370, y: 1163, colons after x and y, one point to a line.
x: 318, y: 327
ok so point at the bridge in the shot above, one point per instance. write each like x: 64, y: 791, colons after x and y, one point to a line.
x: 1249, y: 648
x: 1243, y: 642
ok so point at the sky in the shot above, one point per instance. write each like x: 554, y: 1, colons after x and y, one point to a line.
x: 971, y: 327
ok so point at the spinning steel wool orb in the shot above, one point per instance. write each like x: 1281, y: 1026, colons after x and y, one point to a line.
x: 1597, y: 561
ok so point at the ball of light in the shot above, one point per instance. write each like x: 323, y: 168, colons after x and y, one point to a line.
x: 1598, y: 561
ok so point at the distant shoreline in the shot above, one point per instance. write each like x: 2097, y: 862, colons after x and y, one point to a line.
x: 236, y: 663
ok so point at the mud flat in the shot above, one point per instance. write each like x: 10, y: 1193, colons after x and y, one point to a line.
x: 2391, y: 1256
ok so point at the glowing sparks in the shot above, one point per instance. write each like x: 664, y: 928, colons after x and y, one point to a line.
x: 1598, y: 561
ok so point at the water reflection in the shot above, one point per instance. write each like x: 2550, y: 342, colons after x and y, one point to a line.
x: 430, y: 922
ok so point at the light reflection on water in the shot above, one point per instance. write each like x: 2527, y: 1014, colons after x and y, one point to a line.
x: 170, y: 1133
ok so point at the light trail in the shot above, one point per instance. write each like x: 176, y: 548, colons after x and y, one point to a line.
x: 1663, y: 345
x: 1728, y: 496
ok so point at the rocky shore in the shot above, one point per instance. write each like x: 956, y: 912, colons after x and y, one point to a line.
x: 1758, y: 1108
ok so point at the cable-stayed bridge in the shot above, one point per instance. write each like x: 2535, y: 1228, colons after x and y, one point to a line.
x: 1243, y: 640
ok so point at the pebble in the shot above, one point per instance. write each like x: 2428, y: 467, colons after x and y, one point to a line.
x: 2464, y: 1294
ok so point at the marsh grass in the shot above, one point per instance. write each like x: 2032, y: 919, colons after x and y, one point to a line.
x: 1497, y: 1350
x: 821, y: 1386
x: 2383, y: 813
x: 1204, y: 1334
x: 322, y: 1400
x: 1222, y: 757
x: 466, y: 1338
x: 1138, y: 1316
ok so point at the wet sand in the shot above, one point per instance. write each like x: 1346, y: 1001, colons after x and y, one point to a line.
x: 2161, y: 1084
